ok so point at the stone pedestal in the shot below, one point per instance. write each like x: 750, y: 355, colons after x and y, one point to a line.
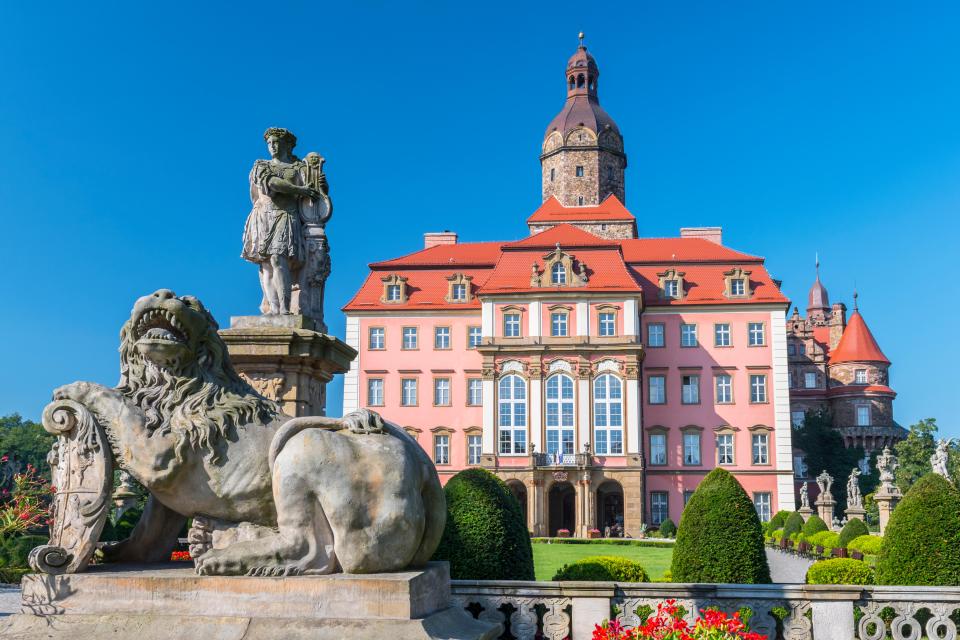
x: 149, y: 603
x: 856, y: 512
x: 805, y: 513
x: 885, y: 504
x: 285, y: 358
x: 825, y: 509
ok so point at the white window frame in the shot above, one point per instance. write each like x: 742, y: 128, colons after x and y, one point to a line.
x: 607, y: 323
x: 474, y: 337
x: 441, y: 338
x: 409, y: 344
x: 408, y: 392
x: 376, y: 339
x: 511, y: 325
x: 690, y: 388
x: 860, y: 376
x: 810, y: 380
x: 560, y: 418
x: 608, y: 415
x: 737, y: 287
x: 474, y: 448
x: 763, y: 503
x: 671, y: 288
x: 441, y: 448
x: 760, y: 448
x: 658, y: 449
x: 723, y: 388
x: 441, y: 392
x: 656, y: 339
x: 374, y: 392
x: 688, y: 335
x: 692, y: 451
x: 558, y: 274
x: 458, y: 292
x: 559, y: 324
x: 758, y: 389
x: 797, y: 418
x: 863, y: 415
x: 659, y: 507
x: 394, y: 292
x: 661, y: 386
x: 721, y: 335
x: 726, y: 448
x: 512, y: 415
x: 474, y: 392
x: 757, y: 335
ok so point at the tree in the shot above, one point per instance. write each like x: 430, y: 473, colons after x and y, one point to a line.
x: 720, y: 538
x: 25, y: 442
x: 823, y: 449
x: 914, y: 453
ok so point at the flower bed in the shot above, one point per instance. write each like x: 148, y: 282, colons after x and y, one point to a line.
x: 563, y: 533
x: 668, y: 624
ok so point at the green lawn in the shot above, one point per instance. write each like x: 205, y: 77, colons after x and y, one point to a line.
x: 547, y: 558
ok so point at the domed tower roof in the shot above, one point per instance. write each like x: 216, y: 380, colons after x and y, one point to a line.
x: 818, y: 300
x: 582, y: 108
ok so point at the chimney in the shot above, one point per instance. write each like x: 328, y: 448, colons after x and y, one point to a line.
x: 713, y: 234
x: 439, y: 237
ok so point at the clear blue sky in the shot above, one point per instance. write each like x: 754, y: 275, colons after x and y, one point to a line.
x: 128, y: 133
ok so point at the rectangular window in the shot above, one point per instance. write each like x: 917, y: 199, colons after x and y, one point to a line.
x: 688, y: 335
x: 473, y: 449
x: 511, y: 325
x: 721, y: 335
x: 687, y: 494
x: 459, y: 292
x: 761, y: 448
x: 579, y: 171
x: 756, y: 334
x: 860, y: 376
x: 441, y: 449
x: 810, y: 380
x: 691, y: 449
x: 657, y: 386
x: 608, y: 324
x: 558, y: 324
x: 655, y: 334
x: 724, y: 384
x: 799, y: 467
x: 758, y: 389
x: 737, y: 287
x: 375, y: 392
x: 658, y: 448
x: 441, y: 337
x: 791, y: 349
x: 473, y: 337
x: 553, y: 173
x: 393, y: 293
x: 725, y: 448
x: 801, y: 349
x: 408, y: 392
x: 797, y: 418
x: 441, y: 392
x: 409, y: 337
x: 377, y: 339
x: 690, y: 387
x: 761, y: 502
x: 671, y: 289
x: 659, y: 511
x: 474, y: 392
x: 863, y: 415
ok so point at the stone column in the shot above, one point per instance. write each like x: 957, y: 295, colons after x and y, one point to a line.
x: 531, y: 486
x: 886, y: 502
x: 539, y: 511
x: 286, y: 360
x: 825, y: 505
x: 855, y: 512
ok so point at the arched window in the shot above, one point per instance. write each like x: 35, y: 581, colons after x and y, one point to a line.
x: 580, y: 81
x: 512, y: 402
x: 608, y: 415
x: 558, y: 274
x: 572, y: 82
x: 560, y: 415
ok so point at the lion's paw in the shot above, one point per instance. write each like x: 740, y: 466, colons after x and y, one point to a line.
x: 363, y: 421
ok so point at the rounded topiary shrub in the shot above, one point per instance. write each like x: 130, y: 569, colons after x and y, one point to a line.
x: 603, y: 569
x: 814, y: 524
x: 485, y: 537
x: 778, y: 520
x: 867, y: 545
x: 794, y: 524
x: 854, y: 528
x: 921, y: 545
x: 825, y: 539
x: 668, y: 529
x: 840, y: 571
x: 720, y: 538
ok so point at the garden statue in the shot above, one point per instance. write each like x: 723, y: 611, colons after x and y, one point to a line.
x: 825, y: 482
x: 887, y: 466
x: 804, y: 496
x: 284, y: 233
x: 939, y: 458
x: 268, y: 494
x: 854, y: 497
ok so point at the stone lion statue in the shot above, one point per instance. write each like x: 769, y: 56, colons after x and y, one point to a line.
x: 269, y: 494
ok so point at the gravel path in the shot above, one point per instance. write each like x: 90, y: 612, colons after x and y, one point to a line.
x: 9, y: 599
x: 786, y: 567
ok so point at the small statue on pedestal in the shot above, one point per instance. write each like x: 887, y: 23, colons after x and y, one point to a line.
x: 854, y: 497
x: 939, y: 458
x: 887, y: 466
x: 825, y: 482
x: 804, y: 496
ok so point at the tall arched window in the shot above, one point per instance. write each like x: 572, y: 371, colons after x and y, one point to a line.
x: 560, y: 414
x: 558, y: 274
x: 572, y: 82
x: 512, y: 403
x: 608, y: 415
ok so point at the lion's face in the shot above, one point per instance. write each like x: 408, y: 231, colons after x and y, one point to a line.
x: 167, y: 330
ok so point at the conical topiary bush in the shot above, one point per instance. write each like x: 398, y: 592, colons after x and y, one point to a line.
x: 485, y: 537
x: 720, y: 538
x: 921, y: 545
x: 854, y: 528
x: 814, y: 524
x: 794, y: 524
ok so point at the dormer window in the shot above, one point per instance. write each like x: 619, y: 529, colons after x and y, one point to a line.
x: 458, y: 288
x: 558, y: 274
x: 394, y: 289
x: 671, y: 288
x: 671, y: 284
x: 737, y: 287
x: 736, y: 283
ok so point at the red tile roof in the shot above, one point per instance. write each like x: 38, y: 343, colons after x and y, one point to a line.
x: 605, y: 272
x: 704, y: 284
x: 463, y: 254
x: 859, y: 389
x: 610, y: 210
x: 567, y: 235
x: 681, y: 250
x: 426, y: 289
x: 857, y: 344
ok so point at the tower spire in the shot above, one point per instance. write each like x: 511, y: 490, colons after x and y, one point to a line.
x: 581, y: 40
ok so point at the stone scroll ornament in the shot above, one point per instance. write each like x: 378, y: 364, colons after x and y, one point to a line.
x: 82, y: 466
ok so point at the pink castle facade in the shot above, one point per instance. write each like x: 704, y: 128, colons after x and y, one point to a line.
x: 600, y: 374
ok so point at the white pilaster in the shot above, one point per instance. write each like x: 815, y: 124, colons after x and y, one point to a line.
x: 583, y: 319
x: 631, y: 324
x: 781, y: 410
x: 583, y: 432
x: 489, y: 439
x: 351, y: 381
x: 535, y: 322
x: 633, y: 416
x: 536, y: 414
x: 486, y: 319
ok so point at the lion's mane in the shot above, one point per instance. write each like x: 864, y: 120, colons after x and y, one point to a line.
x: 200, y: 402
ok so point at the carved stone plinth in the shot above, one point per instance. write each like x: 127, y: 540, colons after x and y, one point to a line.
x: 805, y: 513
x: 150, y: 603
x: 284, y: 358
x: 886, y: 502
x: 825, y: 509
x: 855, y: 512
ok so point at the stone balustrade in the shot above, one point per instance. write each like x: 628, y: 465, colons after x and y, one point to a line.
x: 555, y: 610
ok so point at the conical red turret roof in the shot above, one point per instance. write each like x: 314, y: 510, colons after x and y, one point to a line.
x: 857, y: 344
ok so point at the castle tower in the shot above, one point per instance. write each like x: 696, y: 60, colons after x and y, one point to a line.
x: 818, y: 302
x: 582, y: 160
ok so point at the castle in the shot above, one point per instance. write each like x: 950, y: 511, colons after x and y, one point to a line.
x: 601, y: 374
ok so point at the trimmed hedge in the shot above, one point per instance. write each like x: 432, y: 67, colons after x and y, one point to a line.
x: 668, y: 529
x: 825, y: 539
x: 867, y: 545
x: 603, y: 569
x: 840, y: 571
x: 854, y: 528
x: 813, y: 525
x: 485, y: 537
x: 778, y: 520
x: 720, y: 538
x: 921, y: 545
x: 794, y: 524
